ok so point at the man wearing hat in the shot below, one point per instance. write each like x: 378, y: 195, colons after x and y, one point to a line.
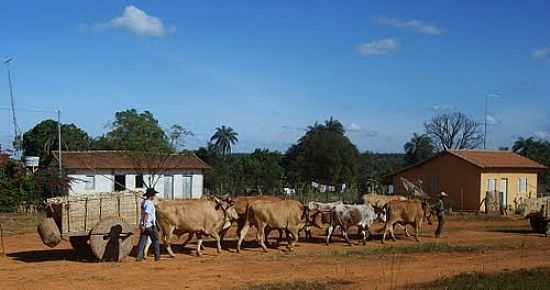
x: 439, y: 208
x: 147, y: 225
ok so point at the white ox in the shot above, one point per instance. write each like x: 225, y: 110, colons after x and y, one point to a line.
x: 362, y: 216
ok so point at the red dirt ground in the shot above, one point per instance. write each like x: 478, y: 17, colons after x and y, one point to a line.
x: 510, y: 245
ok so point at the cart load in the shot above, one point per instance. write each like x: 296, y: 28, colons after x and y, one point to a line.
x: 101, y: 224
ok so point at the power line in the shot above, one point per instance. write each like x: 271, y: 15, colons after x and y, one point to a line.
x: 30, y: 110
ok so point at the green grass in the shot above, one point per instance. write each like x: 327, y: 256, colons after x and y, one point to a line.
x: 300, y: 285
x: 411, y: 249
x: 13, y: 223
x: 532, y: 279
x: 431, y: 247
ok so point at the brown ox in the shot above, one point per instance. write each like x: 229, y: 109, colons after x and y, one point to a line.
x: 379, y: 200
x: 200, y: 217
x: 243, y: 203
x: 288, y: 215
x: 405, y: 212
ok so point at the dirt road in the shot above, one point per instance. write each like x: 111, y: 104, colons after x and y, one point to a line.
x: 495, y: 245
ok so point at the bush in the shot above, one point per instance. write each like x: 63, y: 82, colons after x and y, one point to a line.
x: 18, y: 188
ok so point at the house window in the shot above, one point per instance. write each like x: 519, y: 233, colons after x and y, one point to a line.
x: 522, y: 185
x: 89, y: 182
x: 120, y: 182
x: 491, y: 184
x: 139, y: 181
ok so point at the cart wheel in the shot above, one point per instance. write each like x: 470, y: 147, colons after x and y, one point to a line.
x: 81, y: 246
x: 111, y: 239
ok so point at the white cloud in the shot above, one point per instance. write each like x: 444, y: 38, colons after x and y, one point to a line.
x: 379, y: 47
x: 353, y: 127
x: 357, y: 130
x: 492, y: 120
x: 413, y: 25
x: 542, y: 135
x: 541, y: 53
x: 138, y: 22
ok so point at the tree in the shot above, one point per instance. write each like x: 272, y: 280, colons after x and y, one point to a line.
x: 145, y: 143
x: 263, y: 170
x: 454, y: 131
x: 419, y: 148
x: 43, y: 138
x: 135, y: 131
x: 224, y: 138
x: 334, y: 126
x: 538, y: 150
x: 375, y: 168
x: 323, y: 155
x: 177, y: 134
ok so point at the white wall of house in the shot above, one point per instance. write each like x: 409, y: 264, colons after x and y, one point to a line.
x: 172, y: 184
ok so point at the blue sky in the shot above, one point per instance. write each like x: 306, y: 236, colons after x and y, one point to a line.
x: 271, y: 68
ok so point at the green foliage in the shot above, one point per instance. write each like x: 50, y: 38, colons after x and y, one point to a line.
x: 410, y: 249
x: 17, y: 187
x: 419, y: 148
x: 263, y: 170
x: 43, y: 138
x: 524, y: 279
x: 537, y: 150
x: 223, y: 139
x: 134, y: 131
x: 259, y: 172
x: 375, y: 167
x: 324, y: 154
x: 301, y: 285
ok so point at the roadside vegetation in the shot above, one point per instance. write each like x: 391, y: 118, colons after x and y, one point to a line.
x: 301, y: 285
x: 525, y: 279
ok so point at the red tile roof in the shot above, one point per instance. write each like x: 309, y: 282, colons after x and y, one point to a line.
x: 124, y: 160
x: 496, y: 159
x: 486, y: 159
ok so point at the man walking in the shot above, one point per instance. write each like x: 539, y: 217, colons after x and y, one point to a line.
x: 439, y: 209
x: 147, y: 225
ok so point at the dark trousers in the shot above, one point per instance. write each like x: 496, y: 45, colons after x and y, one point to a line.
x: 152, y: 233
x: 440, y: 223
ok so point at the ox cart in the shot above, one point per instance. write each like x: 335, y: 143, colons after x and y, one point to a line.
x: 102, y: 224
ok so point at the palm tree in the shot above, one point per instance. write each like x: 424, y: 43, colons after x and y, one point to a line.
x: 419, y: 148
x: 223, y: 139
x: 334, y: 126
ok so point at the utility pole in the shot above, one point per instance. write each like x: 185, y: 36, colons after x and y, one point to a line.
x: 60, y: 161
x: 485, y: 123
x: 17, y: 137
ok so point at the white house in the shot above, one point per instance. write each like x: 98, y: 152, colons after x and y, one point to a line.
x: 179, y: 176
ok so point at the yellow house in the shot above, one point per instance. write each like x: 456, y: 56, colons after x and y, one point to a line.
x: 466, y: 176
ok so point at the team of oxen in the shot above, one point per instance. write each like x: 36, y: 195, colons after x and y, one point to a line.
x: 213, y: 217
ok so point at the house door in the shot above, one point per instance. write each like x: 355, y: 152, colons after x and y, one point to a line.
x: 187, y: 186
x: 169, y: 187
x: 503, y: 192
